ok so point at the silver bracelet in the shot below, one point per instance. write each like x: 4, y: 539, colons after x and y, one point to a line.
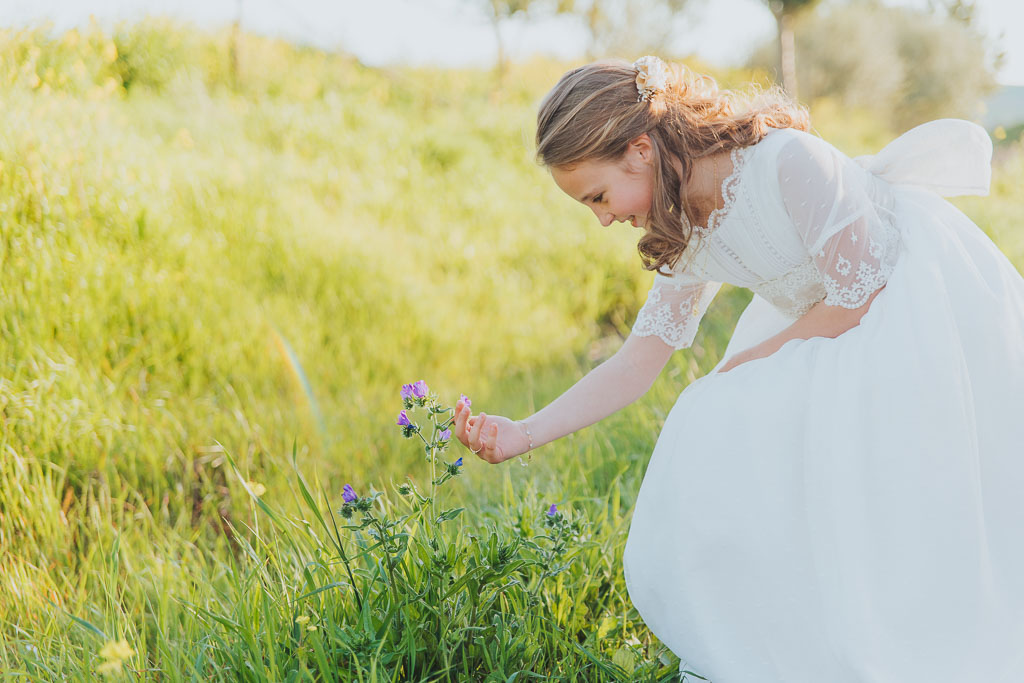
x: 529, y: 436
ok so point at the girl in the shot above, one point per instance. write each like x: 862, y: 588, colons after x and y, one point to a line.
x: 840, y: 499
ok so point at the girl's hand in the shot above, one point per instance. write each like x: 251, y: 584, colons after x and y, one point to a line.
x: 491, y: 437
x: 743, y: 357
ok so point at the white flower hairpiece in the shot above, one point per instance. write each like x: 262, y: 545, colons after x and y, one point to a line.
x: 651, y: 77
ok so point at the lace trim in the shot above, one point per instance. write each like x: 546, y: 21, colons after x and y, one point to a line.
x: 869, y: 278
x: 795, y: 292
x: 729, y: 192
x: 675, y: 327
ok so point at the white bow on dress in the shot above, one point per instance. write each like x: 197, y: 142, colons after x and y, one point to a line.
x: 950, y: 157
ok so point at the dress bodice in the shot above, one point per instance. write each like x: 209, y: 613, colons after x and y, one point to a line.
x: 801, y: 223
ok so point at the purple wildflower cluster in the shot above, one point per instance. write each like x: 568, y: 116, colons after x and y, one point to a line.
x: 553, y: 550
x: 409, y: 428
x: 352, y: 502
x: 415, y: 394
x: 563, y: 525
x: 348, y: 494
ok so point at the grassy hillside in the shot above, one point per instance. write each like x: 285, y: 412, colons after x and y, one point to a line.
x: 215, y: 281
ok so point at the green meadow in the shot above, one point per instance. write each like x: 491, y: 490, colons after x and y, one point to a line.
x: 215, y: 276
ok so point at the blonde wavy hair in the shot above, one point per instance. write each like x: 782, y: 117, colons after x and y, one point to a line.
x: 593, y: 113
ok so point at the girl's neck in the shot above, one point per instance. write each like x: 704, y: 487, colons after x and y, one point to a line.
x: 703, y: 191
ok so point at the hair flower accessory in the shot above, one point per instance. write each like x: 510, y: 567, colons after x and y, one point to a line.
x: 651, y: 77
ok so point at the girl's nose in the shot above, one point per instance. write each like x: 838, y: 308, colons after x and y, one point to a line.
x: 605, y: 218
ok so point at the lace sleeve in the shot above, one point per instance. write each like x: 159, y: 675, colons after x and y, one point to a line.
x: 674, y: 308
x: 849, y: 235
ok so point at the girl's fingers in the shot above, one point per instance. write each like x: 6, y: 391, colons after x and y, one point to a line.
x: 464, y: 421
x: 492, y: 439
x: 487, y: 442
x: 474, y: 432
x: 461, y: 415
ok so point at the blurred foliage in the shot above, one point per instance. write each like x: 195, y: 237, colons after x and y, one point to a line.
x: 906, y: 66
x: 198, y: 265
x: 628, y: 28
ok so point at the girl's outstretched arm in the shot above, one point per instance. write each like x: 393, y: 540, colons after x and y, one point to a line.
x: 614, y: 384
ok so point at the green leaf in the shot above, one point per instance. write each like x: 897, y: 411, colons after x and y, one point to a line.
x: 321, y: 589
x: 448, y: 514
x: 83, y: 623
x: 625, y: 658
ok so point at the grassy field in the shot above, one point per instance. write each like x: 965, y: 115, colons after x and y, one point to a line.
x: 213, y: 283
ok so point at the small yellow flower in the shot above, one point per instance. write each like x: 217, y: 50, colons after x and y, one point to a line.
x: 109, y: 667
x: 257, y: 488
x: 117, y: 649
x: 115, y: 652
x: 301, y: 619
x: 311, y: 628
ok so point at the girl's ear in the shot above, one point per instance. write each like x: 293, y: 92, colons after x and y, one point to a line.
x: 641, y: 149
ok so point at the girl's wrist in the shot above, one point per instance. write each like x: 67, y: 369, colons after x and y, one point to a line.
x: 525, y: 429
x: 528, y: 435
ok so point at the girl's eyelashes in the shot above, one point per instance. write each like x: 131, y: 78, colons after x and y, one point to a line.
x: 599, y: 198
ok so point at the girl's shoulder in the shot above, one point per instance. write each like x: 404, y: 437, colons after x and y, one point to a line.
x: 782, y: 146
x: 777, y: 138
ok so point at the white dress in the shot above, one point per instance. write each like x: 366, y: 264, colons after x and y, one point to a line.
x: 846, y: 510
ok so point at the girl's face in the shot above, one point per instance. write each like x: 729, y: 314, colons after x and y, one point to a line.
x: 614, y: 190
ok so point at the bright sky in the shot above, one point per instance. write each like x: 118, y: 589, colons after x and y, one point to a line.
x: 456, y: 32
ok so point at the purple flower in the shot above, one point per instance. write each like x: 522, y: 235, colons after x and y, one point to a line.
x: 406, y: 392
x: 465, y: 400
x: 419, y: 389
x: 348, y: 494
x: 552, y: 510
x: 403, y: 420
x: 445, y: 435
x: 458, y: 463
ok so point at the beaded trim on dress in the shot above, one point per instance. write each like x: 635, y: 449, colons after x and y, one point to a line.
x: 728, y: 190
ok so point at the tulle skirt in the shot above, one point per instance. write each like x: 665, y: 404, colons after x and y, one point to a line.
x: 851, y: 510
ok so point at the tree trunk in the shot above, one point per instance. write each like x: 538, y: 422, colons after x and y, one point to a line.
x: 236, y: 29
x: 499, y: 69
x: 787, y: 52
x: 593, y: 18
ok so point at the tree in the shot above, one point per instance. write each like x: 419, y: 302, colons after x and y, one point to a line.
x: 785, y: 12
x: 626, y: 28
x: 964, y: 11
x: 905, y: 65
x: 499, y: 11
x: 236, y: 30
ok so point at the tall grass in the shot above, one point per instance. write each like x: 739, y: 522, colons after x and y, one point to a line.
x: 202, y: 269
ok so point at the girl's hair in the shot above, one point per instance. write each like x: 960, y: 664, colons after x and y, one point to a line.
x: 593, y: 112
